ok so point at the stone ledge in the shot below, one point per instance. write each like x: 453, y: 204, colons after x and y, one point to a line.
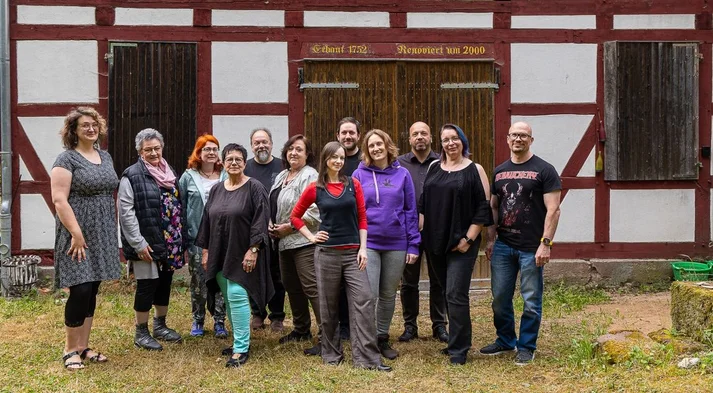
x: 609, y: 272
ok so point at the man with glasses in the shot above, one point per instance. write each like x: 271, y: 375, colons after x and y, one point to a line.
x: 265, y: 167
x: 526, y: 207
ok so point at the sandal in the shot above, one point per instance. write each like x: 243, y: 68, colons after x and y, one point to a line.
x: 98, y: 358
x: 72, y: 365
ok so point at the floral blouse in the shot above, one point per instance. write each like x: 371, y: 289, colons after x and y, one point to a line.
x: 172, y: 227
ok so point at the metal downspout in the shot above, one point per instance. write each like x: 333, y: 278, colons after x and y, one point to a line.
x: 5, y: 132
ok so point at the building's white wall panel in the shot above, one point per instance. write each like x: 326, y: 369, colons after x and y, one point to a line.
x: 449, y: 20
x: 576, y: 224
x: 36, y: 223
x: 652, y: 215
x: 236, y: 129
x: 153, y: 17
x: 554, y: 73
x: 579, y: 22
x: 588, y: 169
x: 43, y: 133
x: 346, y: 19
x: 556, y: 136
x: 248, y: 18
x: 55, y: 15
x: 653, y: 21
x: 249, y: 72
x: 57, y: 72
x: 24, y: 172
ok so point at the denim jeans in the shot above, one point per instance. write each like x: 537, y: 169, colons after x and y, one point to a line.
x: 384, y: 269
x: 453, y: 272
x: 504, y: 266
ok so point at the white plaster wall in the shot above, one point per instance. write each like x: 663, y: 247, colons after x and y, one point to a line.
x: 248, y: 18
x: 449, y: 20
x: 43, y: 133
x: 346, y: 19
x: 556, y: 136
x: 249, y: 72
x: 24, y: 172
x: 236, y: 129
x: 55, y: 15
x: 553, y: 22
x: 576, y: 224
x: 549, y: 73
x: 654, y: 21
x: 588, y: 169
x: 36, y: 223
x: 652, y: 216
x: 153, y: 17
x: 57, y: 72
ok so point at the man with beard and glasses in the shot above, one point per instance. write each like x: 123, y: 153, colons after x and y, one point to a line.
x: 348, y: 137
x: 264, y: 167
x: 417, y: 162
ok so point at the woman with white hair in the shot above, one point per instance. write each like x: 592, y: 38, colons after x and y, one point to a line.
x: 151, y: 218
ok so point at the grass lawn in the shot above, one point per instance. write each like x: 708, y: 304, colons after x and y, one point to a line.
x: 32, y: 336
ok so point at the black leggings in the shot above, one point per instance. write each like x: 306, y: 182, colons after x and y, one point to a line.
x: 81, y: 303
x: 150, y: 292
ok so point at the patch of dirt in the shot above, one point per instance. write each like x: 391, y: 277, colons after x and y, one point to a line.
x: 644, y: 312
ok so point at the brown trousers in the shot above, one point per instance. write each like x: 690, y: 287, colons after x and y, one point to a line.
x: 300, y: 281
x: 331, y: 265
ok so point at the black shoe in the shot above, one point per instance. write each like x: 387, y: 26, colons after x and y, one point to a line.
x: 441, y: 334
x: 142, y: 338
x: 344, y: 332
x: 444, y: 351
x: 293, y: 336
x: 335, y: 362
x: 385, y: 348
x: 409, y: 334
x: 241, y: 359
x: 227, y: 351
x: 163, y: 332
x: 381, y: 367
x: 313, y: 351
x: 457, y: 360
x: 494, y: 349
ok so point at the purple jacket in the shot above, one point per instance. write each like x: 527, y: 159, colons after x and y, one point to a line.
x: 390, y: 208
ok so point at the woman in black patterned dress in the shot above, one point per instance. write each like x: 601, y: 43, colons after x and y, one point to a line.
x: 86, y: 248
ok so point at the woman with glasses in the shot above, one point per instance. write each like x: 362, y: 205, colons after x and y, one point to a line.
x: 454, y: 208
x: 86, y: 247
x: 233, y: 236
x: 203, y: 172
x: 150, y: 214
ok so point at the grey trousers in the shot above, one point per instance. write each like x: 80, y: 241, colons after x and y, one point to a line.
x: 300, y: 282
x: 200, y: 297
x: 385, y: 269
x: 331, y: 265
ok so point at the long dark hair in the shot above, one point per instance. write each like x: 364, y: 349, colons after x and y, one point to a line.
x: 327, y: 153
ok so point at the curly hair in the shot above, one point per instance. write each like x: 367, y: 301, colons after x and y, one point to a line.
x: 392, y: 152
x: 68, y: 133
x: 194, y: 160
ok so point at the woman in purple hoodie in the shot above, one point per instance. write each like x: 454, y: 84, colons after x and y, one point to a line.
x: 393, y: 237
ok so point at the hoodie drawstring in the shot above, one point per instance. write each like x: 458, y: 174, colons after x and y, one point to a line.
x: 376, y: 186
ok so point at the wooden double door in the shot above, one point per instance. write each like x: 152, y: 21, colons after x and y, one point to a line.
x: 392, y: 95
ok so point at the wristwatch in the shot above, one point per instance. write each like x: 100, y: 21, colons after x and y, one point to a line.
x: 469, y: 240
x: 254, y: 249
x: 546, y: 241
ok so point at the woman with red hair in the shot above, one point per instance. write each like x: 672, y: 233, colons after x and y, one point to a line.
x: 203, y: 172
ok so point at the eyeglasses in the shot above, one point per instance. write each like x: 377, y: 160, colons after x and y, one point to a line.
x: 516, y: 136
x: 231, y: 160
x: 210, y: 149
x: 148, y: 150
x: 88, y: 126
x: 445, y: 141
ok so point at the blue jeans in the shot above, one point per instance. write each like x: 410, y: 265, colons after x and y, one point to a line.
x: 504, y: 266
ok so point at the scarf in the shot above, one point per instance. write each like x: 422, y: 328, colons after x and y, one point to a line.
x: 162, y: 174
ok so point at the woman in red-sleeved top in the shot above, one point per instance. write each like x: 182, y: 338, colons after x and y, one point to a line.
x: 340, y: 253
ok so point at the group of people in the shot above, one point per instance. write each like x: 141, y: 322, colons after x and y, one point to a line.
x: 342, y: 237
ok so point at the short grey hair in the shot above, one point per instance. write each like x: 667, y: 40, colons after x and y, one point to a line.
x: 269, y: 134
x: 146, y: 135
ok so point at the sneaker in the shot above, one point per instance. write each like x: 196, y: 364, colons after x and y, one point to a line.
x: 220, y: 331
x: 197, y: 329
x: 441, y: 334
x: 313, y: 351
x: 409, y: 334
x: 385, y: 348
x: 524, y: 357
x: 293, y: 336
x: 494, y: 349
x: 257, y: 323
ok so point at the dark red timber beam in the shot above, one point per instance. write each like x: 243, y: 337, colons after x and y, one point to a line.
x: 628, y: 250
x: 204, y: 99
x: 602, y: 196
x: 703, y: 189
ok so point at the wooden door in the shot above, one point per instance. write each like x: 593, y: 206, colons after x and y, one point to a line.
x: 392, y: 95
x: 152, y: 85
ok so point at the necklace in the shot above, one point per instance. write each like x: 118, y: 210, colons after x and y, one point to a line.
x: 205, y: 174
x: 453, y: 167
